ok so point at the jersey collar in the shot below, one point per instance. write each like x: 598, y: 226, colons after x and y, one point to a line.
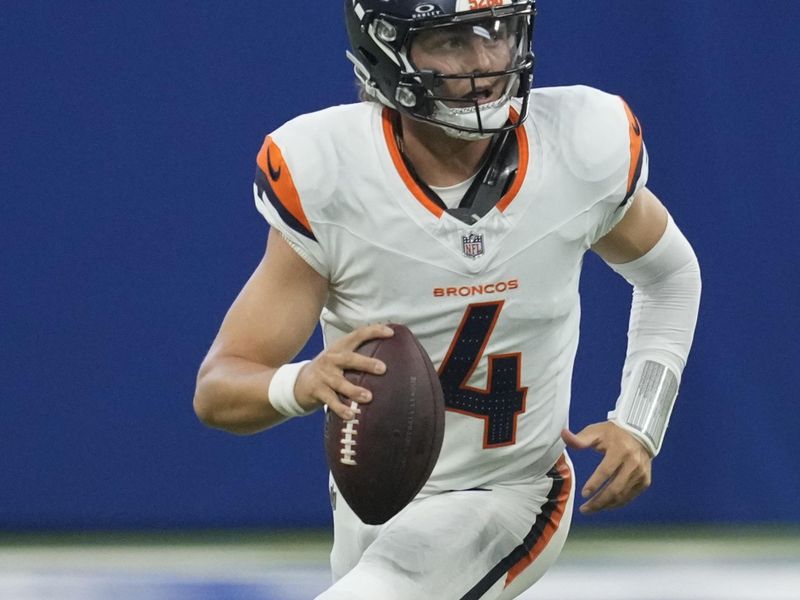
x: 423, y: 194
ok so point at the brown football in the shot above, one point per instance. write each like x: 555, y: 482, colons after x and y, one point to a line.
x: 381, y: 459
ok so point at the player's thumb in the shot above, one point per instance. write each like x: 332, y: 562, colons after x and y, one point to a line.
x: 579, y: 441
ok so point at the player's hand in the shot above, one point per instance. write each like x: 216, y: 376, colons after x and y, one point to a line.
x: 321, y: 379
x: 624, y: 472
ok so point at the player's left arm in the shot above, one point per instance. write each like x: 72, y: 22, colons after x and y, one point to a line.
x: 648, y: 249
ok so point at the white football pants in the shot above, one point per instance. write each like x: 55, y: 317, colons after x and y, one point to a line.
x: 463, y: 545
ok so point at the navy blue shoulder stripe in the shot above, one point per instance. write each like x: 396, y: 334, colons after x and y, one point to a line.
x: 636, y: 174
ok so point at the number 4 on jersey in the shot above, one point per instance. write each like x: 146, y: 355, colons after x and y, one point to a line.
x: 503, y: 400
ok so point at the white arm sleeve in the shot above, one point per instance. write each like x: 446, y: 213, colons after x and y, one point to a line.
x: 666, y: 298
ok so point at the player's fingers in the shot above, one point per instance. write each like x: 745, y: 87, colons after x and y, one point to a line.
x: 573, y: 441
x: 621, y: 489
x: 351, y: 392
x: 605, y: 502
x: 332, y: 364
x: 602, y: 474
x: 358, y: 336
x: 333, y: 373
x: 611, y: 494
x: 353, y: 361
x: 330, y: 373
x: 608, y: 497
x: 326, y: 375
x: 318, y: 380
x: 590, y: 436
x: 344, y: 410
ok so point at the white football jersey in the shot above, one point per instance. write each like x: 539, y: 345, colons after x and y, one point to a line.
x: 495, y: 303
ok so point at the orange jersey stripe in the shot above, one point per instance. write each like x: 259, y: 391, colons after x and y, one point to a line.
x: 635, y: 133
x: 522, y: 168
x: 552, y: 525
x: 402, y: 169
x: 270, y: 161
x: 419, y: 193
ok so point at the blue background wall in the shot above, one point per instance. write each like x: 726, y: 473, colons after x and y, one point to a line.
x: 128, y: 135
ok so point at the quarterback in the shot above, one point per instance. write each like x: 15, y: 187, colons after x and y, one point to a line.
x: 460, y: 202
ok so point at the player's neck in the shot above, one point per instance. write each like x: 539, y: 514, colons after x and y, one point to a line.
x: 439, y: 159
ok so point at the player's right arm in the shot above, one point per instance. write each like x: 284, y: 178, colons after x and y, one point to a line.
x: 268, y: 324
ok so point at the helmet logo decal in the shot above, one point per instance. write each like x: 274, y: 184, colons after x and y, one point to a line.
x: 273, y: 173
x: 426, y: 10
x: 464, y: 5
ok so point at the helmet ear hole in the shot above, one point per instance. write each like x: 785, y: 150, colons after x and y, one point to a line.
x: 369, y: 56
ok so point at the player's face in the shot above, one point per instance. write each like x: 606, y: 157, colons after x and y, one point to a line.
x: 484, y: 47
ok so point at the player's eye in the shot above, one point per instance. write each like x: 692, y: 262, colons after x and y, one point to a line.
x: 447, y: 41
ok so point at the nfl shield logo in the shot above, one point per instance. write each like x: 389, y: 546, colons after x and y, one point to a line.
x: 472, y: 244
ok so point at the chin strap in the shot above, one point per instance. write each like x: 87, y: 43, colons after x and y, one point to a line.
x: 492, y: 181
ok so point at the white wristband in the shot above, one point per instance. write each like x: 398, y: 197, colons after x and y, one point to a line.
x: 281, y: 390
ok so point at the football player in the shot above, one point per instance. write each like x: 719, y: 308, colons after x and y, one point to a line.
x: 459, y: 202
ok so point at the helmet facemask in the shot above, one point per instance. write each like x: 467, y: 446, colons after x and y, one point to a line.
x: 470, y: 72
